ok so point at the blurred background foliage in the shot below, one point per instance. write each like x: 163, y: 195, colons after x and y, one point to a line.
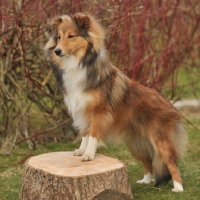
x: 156, y: 42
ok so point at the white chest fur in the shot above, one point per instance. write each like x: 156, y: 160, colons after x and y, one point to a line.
x: 74, y: 78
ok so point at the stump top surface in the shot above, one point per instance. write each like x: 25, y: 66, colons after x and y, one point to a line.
x: 66, y: 164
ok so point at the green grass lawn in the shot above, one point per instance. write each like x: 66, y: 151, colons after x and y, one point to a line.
x: 11, y: 175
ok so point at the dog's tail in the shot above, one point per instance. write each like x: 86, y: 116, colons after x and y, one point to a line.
x: 161, y: 172
x: 169, y: 153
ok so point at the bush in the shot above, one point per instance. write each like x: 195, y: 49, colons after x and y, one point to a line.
x: 148, y: 40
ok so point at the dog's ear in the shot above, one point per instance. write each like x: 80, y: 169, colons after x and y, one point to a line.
x: 82, y: 21
x: 54, y: 24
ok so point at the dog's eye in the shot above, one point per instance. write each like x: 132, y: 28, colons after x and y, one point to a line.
x: 58, y: 37
x: 70, y: 36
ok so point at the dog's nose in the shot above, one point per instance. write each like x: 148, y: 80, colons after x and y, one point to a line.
x: 58, y: 52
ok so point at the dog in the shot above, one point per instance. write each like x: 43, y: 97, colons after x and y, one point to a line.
x: 107, y: 105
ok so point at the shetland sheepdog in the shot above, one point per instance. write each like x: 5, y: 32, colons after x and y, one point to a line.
x: 107, y: 105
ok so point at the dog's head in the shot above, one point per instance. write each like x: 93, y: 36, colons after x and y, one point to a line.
x: 76, y: 35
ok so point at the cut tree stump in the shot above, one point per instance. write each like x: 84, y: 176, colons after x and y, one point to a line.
x: 60, y: 175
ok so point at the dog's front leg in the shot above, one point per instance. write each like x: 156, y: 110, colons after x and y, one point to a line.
x: 91, y: 149
x: 93, y: 139
x: 83, y: 146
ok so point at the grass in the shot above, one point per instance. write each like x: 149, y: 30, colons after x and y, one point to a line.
x: 11, y: 172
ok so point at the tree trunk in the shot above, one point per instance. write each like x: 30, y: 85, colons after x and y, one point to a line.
x: 60, y: 175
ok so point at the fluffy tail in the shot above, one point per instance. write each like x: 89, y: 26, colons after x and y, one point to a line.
x: 162, y: 174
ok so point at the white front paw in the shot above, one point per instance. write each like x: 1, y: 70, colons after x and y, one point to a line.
x: 90, y: 150
x: 79, y: 152
x: 87, y: 157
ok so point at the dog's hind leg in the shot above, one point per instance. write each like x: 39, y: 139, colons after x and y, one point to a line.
x: 148, y: 173
x: 168, y: 159
x: 173, y: 169
x: 143, y: 151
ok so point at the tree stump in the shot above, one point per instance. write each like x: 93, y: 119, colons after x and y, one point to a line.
x: 60, y: 175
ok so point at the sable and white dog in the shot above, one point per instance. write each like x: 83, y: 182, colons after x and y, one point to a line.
x: 105, y: 104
